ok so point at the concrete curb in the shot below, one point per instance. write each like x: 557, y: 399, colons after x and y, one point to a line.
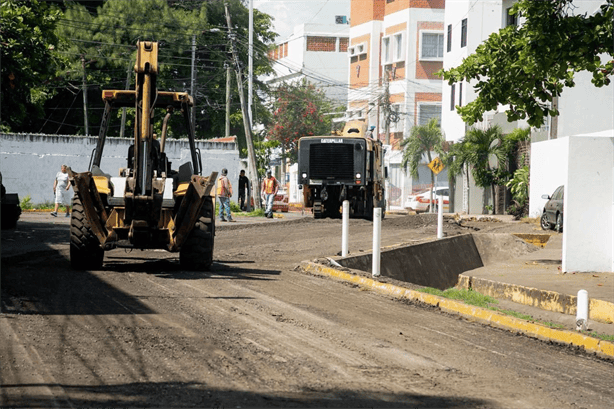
x: 600, y: 310
x: 601, y: 348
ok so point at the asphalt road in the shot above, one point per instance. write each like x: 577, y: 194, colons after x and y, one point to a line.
x: 255, y: 332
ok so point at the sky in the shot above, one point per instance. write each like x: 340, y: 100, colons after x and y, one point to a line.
x: 290, y: 13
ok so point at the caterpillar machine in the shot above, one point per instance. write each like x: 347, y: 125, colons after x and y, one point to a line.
x: 149, y: 205
x: 342, y: 167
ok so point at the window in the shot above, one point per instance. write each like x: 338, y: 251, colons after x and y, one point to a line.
x: 464, y: 33
x: 558, y: 193
x: 449, y: 37
x: 386, y: 58
x: 510, y: 19
x: 428, y: 111
x: 431, y: 46
x: 452, y: 89
x: 460, y: 94
x: 398, y: 47
x: 357, y: 49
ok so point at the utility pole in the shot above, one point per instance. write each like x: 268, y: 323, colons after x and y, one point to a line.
x: 193, y: 119
x: 87, y: 126
x: 251, y: 155
x: 228, y: 83
x: 250, y: 67
x: 121, y: 130
x: 386, y: 107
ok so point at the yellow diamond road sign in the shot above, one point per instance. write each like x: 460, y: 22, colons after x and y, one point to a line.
x: 436, y: 165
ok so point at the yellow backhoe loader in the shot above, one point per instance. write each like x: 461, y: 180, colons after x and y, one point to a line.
x: 148, y: 205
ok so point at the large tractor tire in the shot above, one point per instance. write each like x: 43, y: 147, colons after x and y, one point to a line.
x: 318, y: 212
x: 197, y: 252
x: 85, y: 250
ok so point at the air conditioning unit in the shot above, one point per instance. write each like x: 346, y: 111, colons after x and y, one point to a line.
x: 341, y: 20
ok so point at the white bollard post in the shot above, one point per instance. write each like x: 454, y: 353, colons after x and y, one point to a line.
x: 377, y: 240
x: 582, y: 311
x: 440, y: 218
x: 345, y: 228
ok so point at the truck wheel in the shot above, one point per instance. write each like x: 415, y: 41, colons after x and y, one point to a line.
x: 197, y: 252
x: 85, y: 250
x: 317, y: 210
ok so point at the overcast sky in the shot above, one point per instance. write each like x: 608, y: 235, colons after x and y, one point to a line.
x: 290, y: 13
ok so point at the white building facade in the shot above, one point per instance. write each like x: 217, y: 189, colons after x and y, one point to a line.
x: 317, y: 53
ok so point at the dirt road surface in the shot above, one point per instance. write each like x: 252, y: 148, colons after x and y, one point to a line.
x: 253, y: 331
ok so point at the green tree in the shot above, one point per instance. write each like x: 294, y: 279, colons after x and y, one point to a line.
x: 526, y: 66
x: 519, y: 187
x: 484, y: 152
x: 104, y: 38
x: 27, y: 41
x: 423, y: 140
x: 298, y: 110
x: 264, y: 151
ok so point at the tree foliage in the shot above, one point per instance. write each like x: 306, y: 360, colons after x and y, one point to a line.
x: 519, y: 187
x: 526, y: 66
x: 97, y: 40
x: 423, y: 140
x: 298, y: 110
x: 264, y: 150
x: 488, y: 153
x: 27, y: 41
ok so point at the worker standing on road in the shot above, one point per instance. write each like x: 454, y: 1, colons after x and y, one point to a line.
x: 60, y: 190
x: 243, y: 185
x: 269, y: 189
x: 224, y: 192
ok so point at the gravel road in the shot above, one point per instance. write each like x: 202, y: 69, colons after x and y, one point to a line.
x: 255, y: 332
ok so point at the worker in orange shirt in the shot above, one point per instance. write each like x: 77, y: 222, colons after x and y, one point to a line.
x: 224, y: 192
x: 269, y: 189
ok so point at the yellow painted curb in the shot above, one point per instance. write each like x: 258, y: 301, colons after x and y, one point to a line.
x: 600, y: 310
x: 493, y: 318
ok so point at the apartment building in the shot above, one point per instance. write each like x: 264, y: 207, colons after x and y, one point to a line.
x: 396, y: 47
x: 317, y: 53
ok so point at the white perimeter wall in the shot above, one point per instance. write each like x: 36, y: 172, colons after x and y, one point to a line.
x: 589, y: 198
x: 29, y: 163
x: 548, y: 171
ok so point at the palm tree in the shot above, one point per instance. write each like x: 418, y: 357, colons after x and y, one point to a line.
x: 484, y: 152
x: 423, y: 139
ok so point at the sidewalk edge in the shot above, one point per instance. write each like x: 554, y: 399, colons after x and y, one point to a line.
x: 601, y: 348
x: 600, y: 310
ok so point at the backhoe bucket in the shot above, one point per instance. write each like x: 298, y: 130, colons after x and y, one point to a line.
x: 198, y: 191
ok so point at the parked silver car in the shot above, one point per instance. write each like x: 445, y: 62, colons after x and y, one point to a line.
x: 552, y: 216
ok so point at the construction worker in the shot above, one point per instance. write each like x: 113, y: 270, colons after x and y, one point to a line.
x: 243, y: 187
x: 269, y: 189
x: 224, y: 192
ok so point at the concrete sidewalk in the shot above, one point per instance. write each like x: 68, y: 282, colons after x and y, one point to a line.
x: 536, y: 279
